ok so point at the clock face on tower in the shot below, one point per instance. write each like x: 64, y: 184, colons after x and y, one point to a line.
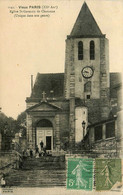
x: 87, y: 72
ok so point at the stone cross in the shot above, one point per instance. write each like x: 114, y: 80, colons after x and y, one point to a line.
x: 44, y: 96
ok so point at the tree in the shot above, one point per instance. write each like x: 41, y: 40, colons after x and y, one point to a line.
x: 21, y: 121
x: 8, y: 128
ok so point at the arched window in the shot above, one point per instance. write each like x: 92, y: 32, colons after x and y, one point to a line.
x: 92, y: 50
x: 80, y: 50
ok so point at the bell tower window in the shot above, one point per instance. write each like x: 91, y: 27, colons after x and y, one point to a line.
x: 87, y: 90
x: 92, y: 50
x: 80, y: 50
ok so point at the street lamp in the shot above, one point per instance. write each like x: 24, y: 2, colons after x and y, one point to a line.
x: 83, y: 126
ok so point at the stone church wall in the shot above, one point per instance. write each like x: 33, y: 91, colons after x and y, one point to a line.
x: 106, y: 147
x: 69, y: 61
x: 64, y: 129
x: 95, y: 107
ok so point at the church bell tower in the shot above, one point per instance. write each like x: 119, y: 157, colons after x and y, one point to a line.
x: 86, y: 63
x: 87, y: 70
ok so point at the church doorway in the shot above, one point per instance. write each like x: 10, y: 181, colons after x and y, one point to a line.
x: 48, y: 142
x: 44, y: 133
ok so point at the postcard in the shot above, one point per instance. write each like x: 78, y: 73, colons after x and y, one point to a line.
x: 61, y: 96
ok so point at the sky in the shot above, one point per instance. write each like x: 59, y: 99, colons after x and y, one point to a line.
x: 32, y: 45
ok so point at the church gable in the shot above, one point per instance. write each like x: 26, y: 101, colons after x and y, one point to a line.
x: 43, y: 106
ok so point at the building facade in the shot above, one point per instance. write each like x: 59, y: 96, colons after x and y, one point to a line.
x: 63, y: 105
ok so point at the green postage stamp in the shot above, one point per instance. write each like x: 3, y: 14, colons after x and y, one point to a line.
x: 107, y: 173
x: 80, y: 174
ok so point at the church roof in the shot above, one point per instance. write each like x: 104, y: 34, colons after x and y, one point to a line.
x: 85, y: 24
x: 52, y: 84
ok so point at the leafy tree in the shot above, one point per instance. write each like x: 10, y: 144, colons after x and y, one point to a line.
x: 21, y: 121
x: 9, y: 127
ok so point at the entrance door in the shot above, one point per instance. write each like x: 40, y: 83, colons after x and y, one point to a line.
x: 45, y: 134
x: 48, y: 142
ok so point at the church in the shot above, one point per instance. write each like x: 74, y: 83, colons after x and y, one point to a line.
x: 62, y: 105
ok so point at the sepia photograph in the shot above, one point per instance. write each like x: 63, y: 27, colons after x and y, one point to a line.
x: 61, y: 97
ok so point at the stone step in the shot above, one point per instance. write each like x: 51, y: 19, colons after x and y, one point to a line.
x: 37, y: 185
x: 39, y: 172
x: 40, y: 163
x: 37, y: 178
x: 44, y: 166
x: 44, y: 163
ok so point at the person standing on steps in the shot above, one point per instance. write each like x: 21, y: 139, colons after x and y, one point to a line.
x: 36, y: 149
x: 31, y: 153
x: 41, y: 145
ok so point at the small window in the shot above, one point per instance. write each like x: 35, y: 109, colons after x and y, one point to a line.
x: 80, y: 50
x: 110, y: 129
x: 92, y: 50
x: 88, y: 97
x: 98, y: 132
x: 87, y: 87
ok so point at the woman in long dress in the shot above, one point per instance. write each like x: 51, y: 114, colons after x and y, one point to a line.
x: 79, y: 175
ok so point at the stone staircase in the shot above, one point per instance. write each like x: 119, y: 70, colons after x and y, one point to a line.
x: 41, y: 172
x: 45, y: 163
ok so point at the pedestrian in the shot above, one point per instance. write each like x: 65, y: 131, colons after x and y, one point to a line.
x: 44, y: 151
x: 40, y: 154
x: 37, y: 155
x: 36, y: 149
x: 24, y: 154
x: 41, y: 145
x: 31, y: 153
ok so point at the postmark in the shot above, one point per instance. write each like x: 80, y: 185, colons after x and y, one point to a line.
x: 80, y: 174
x: 107, y: 173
